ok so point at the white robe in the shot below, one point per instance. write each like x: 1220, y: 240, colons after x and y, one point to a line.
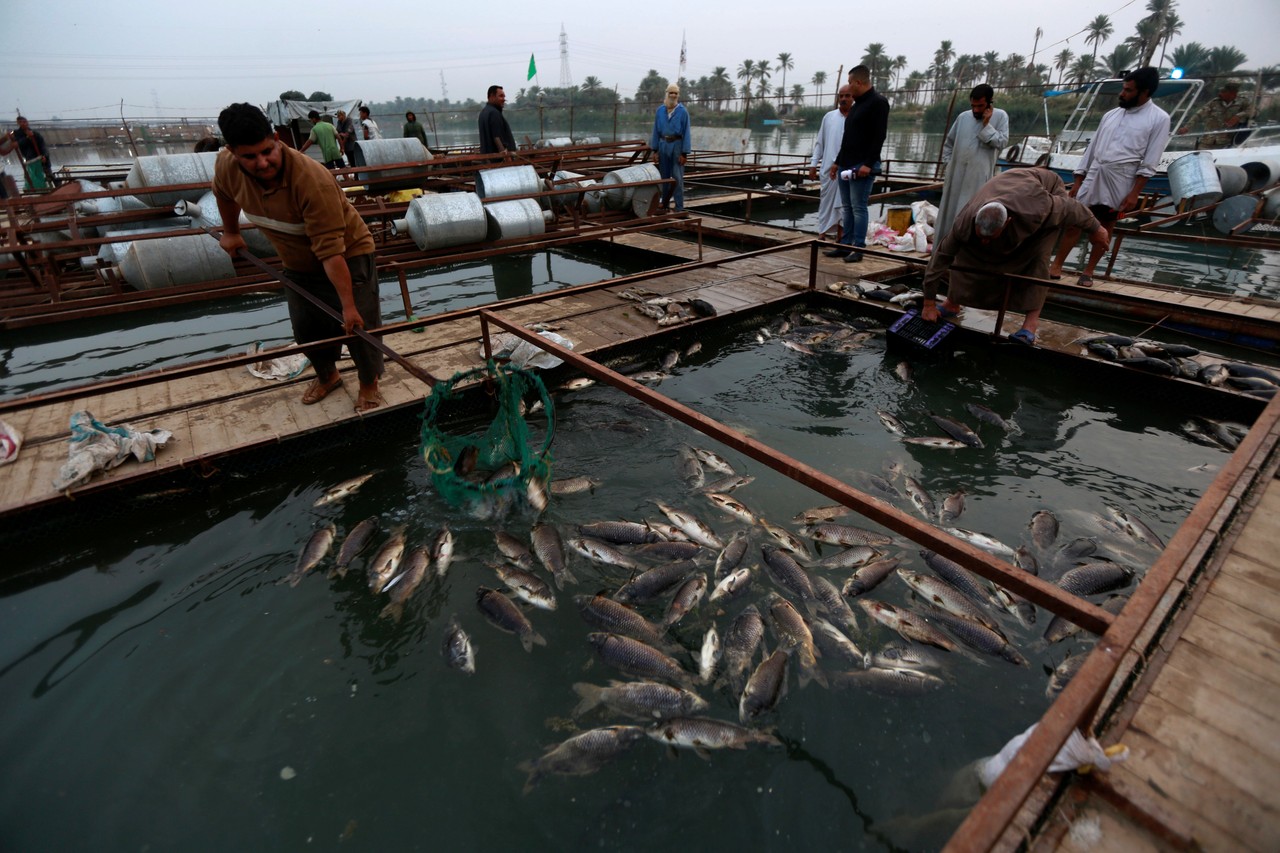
x: 970, y: 154
x: 825, y: 149
x: 1128, y: 144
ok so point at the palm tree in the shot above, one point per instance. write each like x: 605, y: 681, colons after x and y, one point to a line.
x: 1119, y: 60
x: 1172, y: 27
x: 876, y: 59
x: 898, y: 65
x: 785, y: 64
x: 1100, y: 30
x: 990, y: 60
x: 1083, y: 70
x: 591, y: 84
x: 719, y: 83
x: 1062, y: 62
x: 763, y: 71
x: 1223, y: 60
x: 747, y: 72
x: 1146, y: 35
x: 797, y: 95
x: 1192, y: 58
x: 941, y: 62
x: 915, y: 80
x: 819, y: 78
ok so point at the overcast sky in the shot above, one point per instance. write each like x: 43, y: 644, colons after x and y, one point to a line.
x: 75, y: 58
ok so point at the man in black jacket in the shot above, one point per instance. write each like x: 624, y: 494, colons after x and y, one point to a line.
x: 859, y: 160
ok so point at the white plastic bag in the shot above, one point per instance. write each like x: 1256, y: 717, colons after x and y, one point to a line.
x: 284, y: 367
x: 1076, y: 753
x: 923, y: 211
x: 522, y: 354
x: 98, y: 447
x: 10, y: 443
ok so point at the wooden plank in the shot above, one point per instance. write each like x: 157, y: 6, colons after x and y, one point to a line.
x: 1117, y: 832
x: 1246, y: 568
x: 1210, y: 801
x: 1253, y: 597
x: 1221, y: 709
x: 1225, y: 676
x: 1260, y: 780
x: 1232, y: 631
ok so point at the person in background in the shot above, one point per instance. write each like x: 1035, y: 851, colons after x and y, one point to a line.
x: 34, y: 153
x: 970, y: 152
x: 413, y: 128
x: 1007, y: 228
x: 495, y: 133
x: 671, y: 144
x: 825, y: 148
x: 207, y: 144
x: 324, y: 245
x: 347, y: 139
x: 1115, y: 167
x: 859, y: 160
x: 1225, y: 112
x: 324, y: 135
x: 368, y: 127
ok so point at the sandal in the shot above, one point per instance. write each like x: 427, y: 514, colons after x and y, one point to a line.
x: 318, y: 390
x: 1026, y: 337
x: 946, y: 313
x: 1085, y: 280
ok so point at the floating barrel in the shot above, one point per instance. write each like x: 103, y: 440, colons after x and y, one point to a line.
x: 385, y: 152
x: 205, y: 214
x: 1234, y: 180
x: 508, y: 180
x: 1262, y: 174
x: 519, y: 217
x: 565, y: 180
x: 168, y: 169
x: 444, y: 220
x: 169, y: 261
x: 1194, y: 176
x: 1271, y: 203
x: 620, y: 198
x: 1234, y: 212
x: 588, y: 140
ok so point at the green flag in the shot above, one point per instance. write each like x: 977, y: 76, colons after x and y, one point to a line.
x: 533, y: 67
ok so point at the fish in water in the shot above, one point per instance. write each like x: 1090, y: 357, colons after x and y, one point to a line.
x: 787, y: 573
x: 466, y: 461
x: 903, y: 371
x: 573, y: 485
x: 952, y: 507
x: 740, y: 644
x: 407, y: 582
x: 822, y: 513
x: 937, y: 442
x: 582, y: 754
x: 981, y: 540
x: 979, y: 637
x: 891, y: 422
x: 1094, y: 578
x: 832, y: 604
x: 650, y: 584
x: 527, y: 586
x: 671, y: 550
x: 686, y: 598
x: 646, y: 700
x: 874, y: 483
x: 577, y: 384
x: 442, y: 551
x: 702, y: 734
x: 910, y: 625
x: 849, y: 558
x: 713, y: 460
x: 503, y: 614
x: 793, y: 633
x: 986, y: 415
x: 1135, y: 528
x: 889, y: 681
x: 613, y: 617
x: 670, y: 360
x: 594, y: 549
x: 732, y: 506
x: 384, y: 565
x: 357, y: 540
x: 785, y: 538
x: 1063, y: 673
x: 1044, y: 528
x: 869, y: 577
x: 732, y: 585
x: 1060, y: 628
x: 728, y: 484
x: 620, y: 532
x: 458, y: 651
x: 709, y: 656
x: 845, y: 534
x: 316, y: 549
x: 800, y: 348
x: 343, y: 490
x: 731, y: 555
x: 959, y: 577
x: 958, y: 430
x: 549, y: 549
x: 921, y: 499
x: 692, y: 526
x: 513, y: 549
x: 639, y: 659
x: 943, y: 595
x: 765, y: 688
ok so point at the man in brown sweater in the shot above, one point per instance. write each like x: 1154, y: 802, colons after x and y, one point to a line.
x: 323, y: 244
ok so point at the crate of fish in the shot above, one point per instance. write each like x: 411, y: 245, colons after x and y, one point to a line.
x: 912, y: 335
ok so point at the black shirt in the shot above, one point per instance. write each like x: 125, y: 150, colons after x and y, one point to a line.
x: 864, y: 131
x: 30, y: 146
x: 493, y: 125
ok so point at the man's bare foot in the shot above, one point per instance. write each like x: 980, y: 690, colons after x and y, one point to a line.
x: 368, y: 398
x: 319, y: 389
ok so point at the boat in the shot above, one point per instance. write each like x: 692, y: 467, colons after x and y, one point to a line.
x: 1179, y: 98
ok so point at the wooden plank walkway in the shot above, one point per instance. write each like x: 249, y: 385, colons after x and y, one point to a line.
x: 228, y: 410
x: 1204, y: 729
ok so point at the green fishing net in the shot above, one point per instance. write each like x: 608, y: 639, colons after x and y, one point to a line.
x: 489, y: 468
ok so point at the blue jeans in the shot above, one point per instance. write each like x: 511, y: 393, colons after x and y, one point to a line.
x: 853, y: 199
x: 669, y: 167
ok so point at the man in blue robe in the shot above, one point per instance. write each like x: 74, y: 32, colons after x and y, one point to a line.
x: 671, y: 144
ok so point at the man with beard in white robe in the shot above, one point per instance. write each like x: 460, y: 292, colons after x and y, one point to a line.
x: 825, y: 149
x: 974, y: 141
x: 1115, y: 167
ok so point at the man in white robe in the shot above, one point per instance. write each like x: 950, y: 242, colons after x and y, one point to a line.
x: 825, y: 149
x: 1115, y: 167
x: 970, y: 152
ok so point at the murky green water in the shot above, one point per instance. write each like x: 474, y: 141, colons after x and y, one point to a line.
x: 160, y: 680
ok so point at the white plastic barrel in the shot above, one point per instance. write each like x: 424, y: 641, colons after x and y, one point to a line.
x: 167, y: 169
x: 507, y: 180
x: 519, y: 217
x: 620, y: 198
x: 169, y: 261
